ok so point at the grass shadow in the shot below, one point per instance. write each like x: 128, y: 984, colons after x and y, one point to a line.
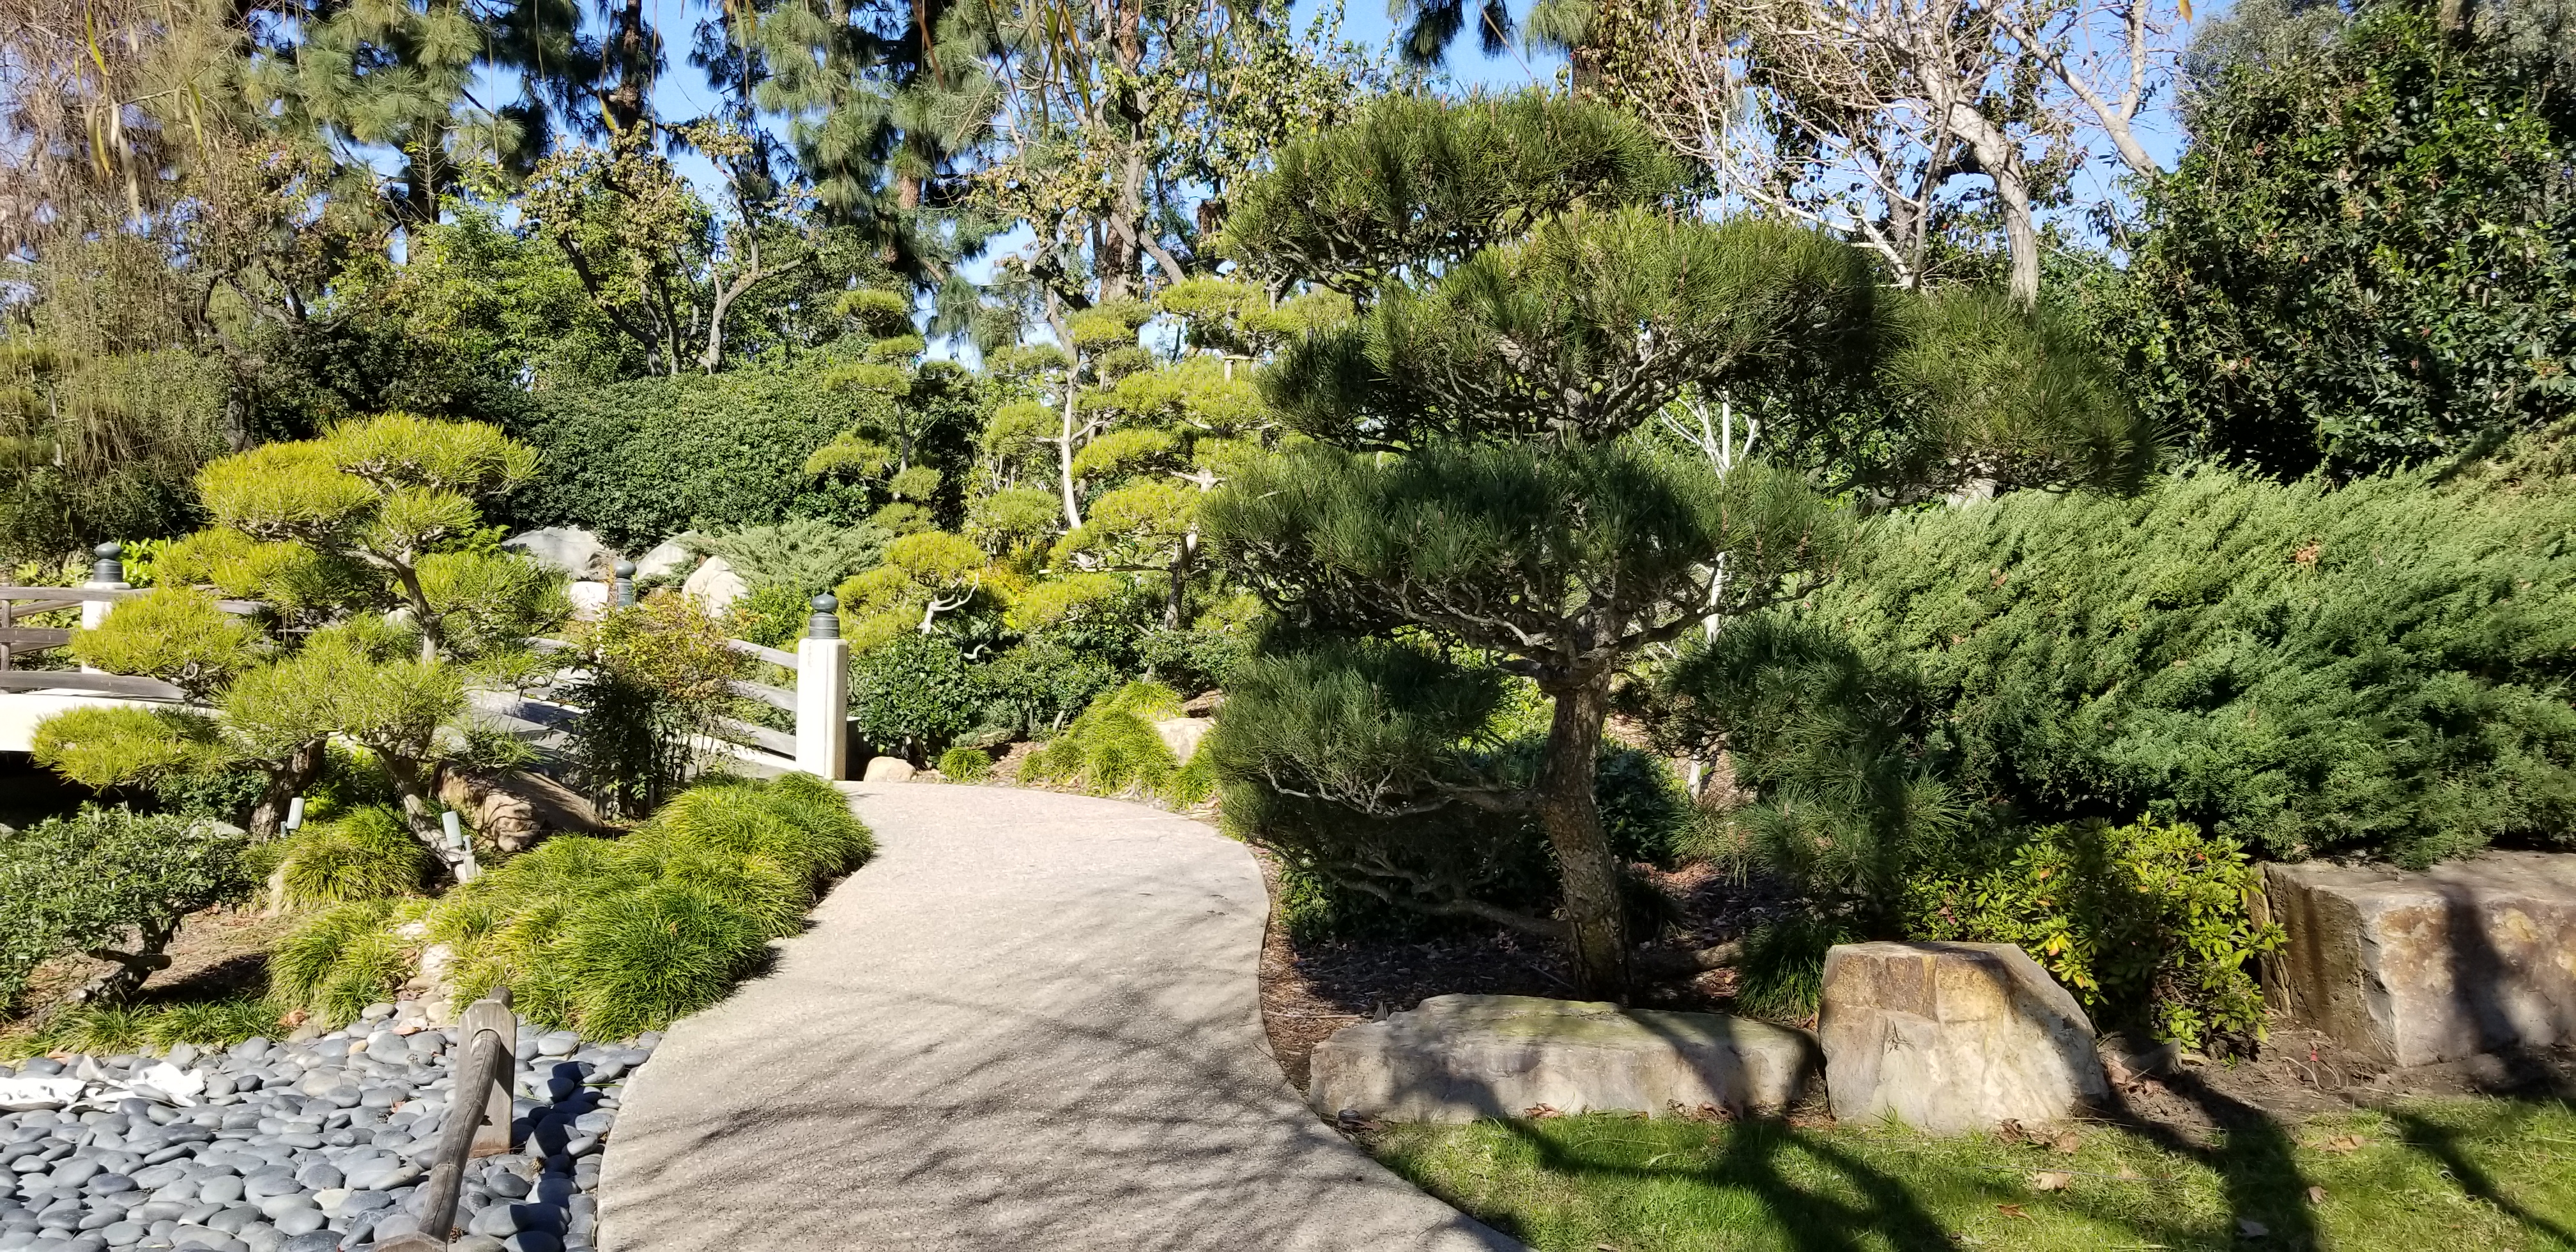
x: 2254, y: 1156
x: 2441, y: 1143
x: 1751, y: 1162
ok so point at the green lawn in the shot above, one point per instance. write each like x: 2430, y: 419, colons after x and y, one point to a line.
x: 2449, y: 1176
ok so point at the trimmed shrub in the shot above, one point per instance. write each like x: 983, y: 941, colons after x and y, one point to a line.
x: 108, y: 879
x: 367, y: 855
x: 641, y: 461
x: 2147, y: 925
x: 966, y: 765
x: 912, y: 694
x: 2377, y: 670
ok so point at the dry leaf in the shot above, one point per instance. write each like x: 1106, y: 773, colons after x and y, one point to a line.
x: 2341, y: 1143
x: 2050, y: 1180
x: 2069, y: 1142
x: 2316, y: 1195
x: 2011, y: 1210
x: 1538, y: 1111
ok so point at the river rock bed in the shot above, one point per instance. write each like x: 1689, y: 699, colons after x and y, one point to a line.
x: 303, y: 1146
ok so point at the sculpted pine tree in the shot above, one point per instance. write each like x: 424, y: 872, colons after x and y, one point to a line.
x: 1481, y: 498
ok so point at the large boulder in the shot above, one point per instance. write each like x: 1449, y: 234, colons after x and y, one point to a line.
x: 1457, y: 1058
x: 575, y: 552
x: 1953, y: 1037
x: 887, y: 769
x: 666, y: 558
x: 2410, y: 967
x: 1182, y: 735
x: 715, y: 586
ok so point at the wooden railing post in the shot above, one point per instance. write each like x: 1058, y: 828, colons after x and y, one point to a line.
x: 477, y: 1123
x: 823, y: 694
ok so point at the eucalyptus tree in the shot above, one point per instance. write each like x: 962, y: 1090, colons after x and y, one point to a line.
x: 1481, y: 500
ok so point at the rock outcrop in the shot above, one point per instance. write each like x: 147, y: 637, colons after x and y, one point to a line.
x: 887, y: 769
x: 1457, y: 1058
x: 575, y: 552
x: 1953, y: 1037
x: 715, y: 586
x: 2415, y: 967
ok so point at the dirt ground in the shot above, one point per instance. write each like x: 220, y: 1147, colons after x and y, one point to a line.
x: 219, y: 954
x: 1309, y: 992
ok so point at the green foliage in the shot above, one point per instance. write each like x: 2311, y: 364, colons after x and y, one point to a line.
x: 175, y: 634
x: 657, y: 675
x: 1781, y: 974
x: 1417, y: 181
x: 365, y: 855
x: 2377, y: 670
x: 339, y: 961
x: 617, y: 937
x: 124, y: 745
x: 966, y: 765
x: 115, y: 1030
x: 913, y: 694
x: 2148, y: 925
x: 2363, y: 259
x: 107, y: 878
x: 805, y: 555
x: 1112, y: 749
x: 641, y: 461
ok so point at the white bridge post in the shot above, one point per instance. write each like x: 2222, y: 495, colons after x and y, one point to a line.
x: 823, y: 694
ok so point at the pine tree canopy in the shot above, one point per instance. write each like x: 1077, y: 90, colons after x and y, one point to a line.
x: 1418, y: 182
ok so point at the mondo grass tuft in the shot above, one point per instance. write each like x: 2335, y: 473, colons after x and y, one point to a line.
x: 341, y: 960
x: 110, y: 1030
x: 638, y: 961
x: 612, y: 937
x: 1112, y: 749
x: 367, y: 855
x: 965, y: 765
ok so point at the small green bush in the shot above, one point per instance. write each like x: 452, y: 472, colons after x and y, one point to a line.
x: 1781, y: 975
x: 966, y: 765
x: 108, y: 879
x: 1112, y: 750
x: 369, y: 854
x: 912, y: 694
x: 2148, y: 925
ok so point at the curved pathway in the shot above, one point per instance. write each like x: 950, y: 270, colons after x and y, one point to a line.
x: 1031, y: 1023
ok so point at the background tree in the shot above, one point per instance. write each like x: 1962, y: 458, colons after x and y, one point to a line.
x: 1478, y: 493
x: 2362, y: 261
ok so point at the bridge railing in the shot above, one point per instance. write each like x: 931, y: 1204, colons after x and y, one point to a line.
x: 818, y: 700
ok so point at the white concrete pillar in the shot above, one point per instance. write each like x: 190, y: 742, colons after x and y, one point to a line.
x: 106, y: 574
x: 823, y: 694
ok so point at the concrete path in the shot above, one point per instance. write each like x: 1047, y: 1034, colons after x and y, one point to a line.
x: 1032, y: 1024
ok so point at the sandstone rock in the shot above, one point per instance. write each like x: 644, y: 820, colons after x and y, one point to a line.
x: 1457, y: 1058
x: 571, y: 549
x: 1182, y: 735
x: 715, y: 586
x: 2415, y: 967
x: 513, y: 810
x: 888, y: 769
x: 1953, y: 1037
x: 666, y: 559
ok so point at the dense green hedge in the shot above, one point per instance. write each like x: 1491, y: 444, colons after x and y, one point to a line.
x: 2381, y: 669
x: 641, y: 461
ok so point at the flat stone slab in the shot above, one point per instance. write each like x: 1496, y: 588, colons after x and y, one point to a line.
x: 1953, y: 1037
x: 1457, y: 1058
x: 2410, y: 967
x: 1031, y: 1023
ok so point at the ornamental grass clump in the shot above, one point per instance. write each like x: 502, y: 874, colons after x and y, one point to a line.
x: 342, y: 959
x: 612, y: 937
x: 1112, y: 749
x: 366, y: 855
x: 966, y: 765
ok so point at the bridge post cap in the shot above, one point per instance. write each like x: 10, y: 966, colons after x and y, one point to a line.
x: 108, y: 549
x: 826, y: 604
x: 626, y: 569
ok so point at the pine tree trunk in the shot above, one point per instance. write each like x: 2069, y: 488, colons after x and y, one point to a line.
x: 283, y: 786
x: 1573, y: 823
